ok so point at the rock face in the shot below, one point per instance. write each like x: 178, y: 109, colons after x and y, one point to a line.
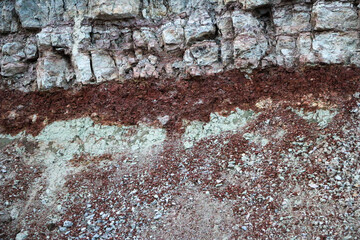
x: 118, y: 40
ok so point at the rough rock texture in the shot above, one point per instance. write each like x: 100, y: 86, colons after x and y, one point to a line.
x: 179, y: 119
x: 233, y: 34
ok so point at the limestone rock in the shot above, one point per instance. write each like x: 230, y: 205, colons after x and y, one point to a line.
x: 12, y: 69
x: 334, y: 16
x: 82, y: 68
x: 116, y: 9
x: 304, y: 45
x: 205, y: 53
x: 173, y: 37
x: 103, y: 66
x: 335, y: 47
x: 285, y: 51
x: 53, y: 70
x: 199, y: 27
x: 32, y: 13
x: 8, y: 22
x: 251, y: 4
x: 250, y: 43
x: 12, y: 48
x: 291, y: 19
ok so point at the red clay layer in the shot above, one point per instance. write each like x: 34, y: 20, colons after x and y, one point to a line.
x: 145, y: 100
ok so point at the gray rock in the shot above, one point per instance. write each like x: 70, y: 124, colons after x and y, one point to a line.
x: 53, y: 70
x: 173, y: 37
x: 290, y: 19
x: 12, y: 48
x: 335, y: 47
x: 68, y: 224
x: 334, y: 16
x: 82, y: 67
x: 8, y: 22
x: 199, y: 27
x: 251, y: 4
x: 205, y: 53
x: 22, y: 235
x: 103, y: 66
x: 32, y: 13
x: 116, y: 9
x: 12, y: 69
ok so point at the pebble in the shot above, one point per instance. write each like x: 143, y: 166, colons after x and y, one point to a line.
x: 244, y: 228
x: 337, y: 177
x: 68, y: 224
x: 313, y: 185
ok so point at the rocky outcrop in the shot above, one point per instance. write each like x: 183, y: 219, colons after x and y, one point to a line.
x: 120, y: 40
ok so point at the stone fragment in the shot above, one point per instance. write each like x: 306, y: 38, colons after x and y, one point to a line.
x: 11, y: 48
x: 334, y: 47
x: 82, y: 68
x: 304, y: 45
x: 32, y: 13
x: 103, y: 66
x: 225, y: 25
x: 199, y: 27
x: 337, y: 15
x: 53, y: 70
x: 30, y: 49
x: 116, y: 9
x: 12, y: 69
x: 250, y: 43
x: 251, y: 4
x: 205, y: 53
x: 178, y: 6
x: 285, y: 51
x: 291, y: 19
x: 8, y: 21
x: 173, y: 37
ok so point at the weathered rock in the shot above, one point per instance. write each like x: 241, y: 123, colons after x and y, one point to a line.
x: 31, y: 49
x: 82, y: 68
x: 334, y: 16
x: 12, y: 69
x: 335, y: 47
x: 116, y: 9
x: 199, y: 27
x: 173, y: 37
x: 251, y: 4
x: 8, y: 22
x: 205, y: 53
x: 291, y: 19
x: 103, y: 66
x: 33, y: 14
x: 12, y: 48
x: 304, y: 45
x: 250, y: 43
x: 286, y: 51
x: 53, y: 70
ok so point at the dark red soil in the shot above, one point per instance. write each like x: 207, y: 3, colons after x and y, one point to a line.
x: 146, y: 100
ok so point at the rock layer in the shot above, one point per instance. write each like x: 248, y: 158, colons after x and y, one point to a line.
x: 96, y: 41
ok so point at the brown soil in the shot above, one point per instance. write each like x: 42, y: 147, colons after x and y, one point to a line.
x: 145, y: 100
